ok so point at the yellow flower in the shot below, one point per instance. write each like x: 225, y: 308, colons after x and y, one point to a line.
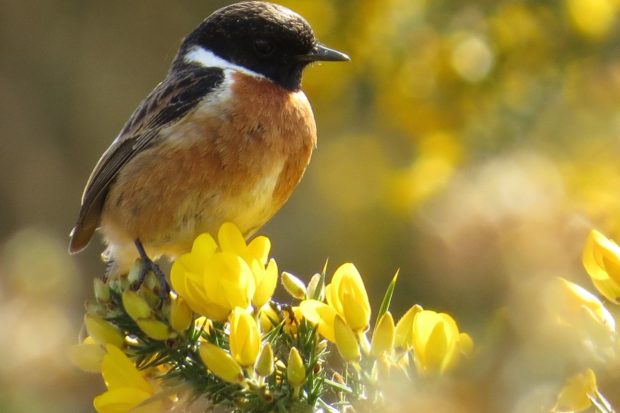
x: 231, y: 240
x: 346, y: 342
x: 347, y: 295
x: 403, y: 334
x: 87, y: 355
x: 437, y: 342
x: 295, y: 369
x: 383, y: 337
x: 266, y: 279
x: 321, y: 315
x: 128, y: 389
x: 601, y: 259
x: 214, y: 280
x: 222, y: 364
x: 244, y: 337
x: 223, y: 281
x: 577, y: 393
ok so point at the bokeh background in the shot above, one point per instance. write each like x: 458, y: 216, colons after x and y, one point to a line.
x: 472, y: 144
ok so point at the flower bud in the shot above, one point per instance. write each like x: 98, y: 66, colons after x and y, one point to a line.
x: 155, y: 329
x: 345, y: 340
x: 383, y: 336
x: 293, y: 285
x: 316, y: 289
x: 102, y: 291
x: 269, y: 317
x: 180, y: 315
x: 220, y: 363
x: 102, y: 331
x: 133, y: 276
x: 244, y: 337
x: 264, y: 365
x: 135, y: 305
x: 295, y: 369
x: 403, y: 332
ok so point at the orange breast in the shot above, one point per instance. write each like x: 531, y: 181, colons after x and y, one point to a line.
x: 232, y: 159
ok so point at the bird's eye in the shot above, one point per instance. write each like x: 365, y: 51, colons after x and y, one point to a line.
x: 264, y: 47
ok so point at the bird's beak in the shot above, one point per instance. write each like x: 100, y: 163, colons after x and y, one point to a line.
x: 321, y: 53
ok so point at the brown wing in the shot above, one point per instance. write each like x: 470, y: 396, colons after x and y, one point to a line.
x: 172, y: 99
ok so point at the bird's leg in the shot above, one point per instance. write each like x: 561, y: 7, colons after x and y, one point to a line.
x: 147, y: 265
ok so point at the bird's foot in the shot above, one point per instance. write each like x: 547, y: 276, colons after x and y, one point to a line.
x: 148, y: 265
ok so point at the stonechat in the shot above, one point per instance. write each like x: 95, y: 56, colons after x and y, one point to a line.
x: 225, y: 137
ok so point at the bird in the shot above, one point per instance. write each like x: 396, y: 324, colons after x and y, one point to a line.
x: 225, y: 137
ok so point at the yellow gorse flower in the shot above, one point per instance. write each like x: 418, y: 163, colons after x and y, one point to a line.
x: 213, y: 280
x: 346, y: 296
x: 346, y: 341
x: 244, y: 337
x: 437, y: 342
x: 128, y: 388
x: 577, y: 393
x: 601, y: 259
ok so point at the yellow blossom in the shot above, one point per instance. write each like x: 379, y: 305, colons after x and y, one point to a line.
x: 601, y: 259
x: 231, y: 240
x: 102, y: 331
x: 244, y: 337
x: 127, y: 387
x: 87, y: 355
x: 222, y: 282
x: 577, y: 392
x: 295, y: 368
x: 213, y: 280
x: 346, y: 342
x: 383, y: 337
x: 265, y: 279
x: 403, y: 334
x: 437, y: 342
x: 320, y: 314
x: 222, y: 364
x: 347, y: 295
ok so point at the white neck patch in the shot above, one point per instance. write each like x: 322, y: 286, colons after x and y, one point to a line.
x: 207, y: 58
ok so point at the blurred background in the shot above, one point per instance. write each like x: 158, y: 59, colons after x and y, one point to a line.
x: 470, y: 144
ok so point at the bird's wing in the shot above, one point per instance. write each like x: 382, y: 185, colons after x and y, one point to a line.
x: 172, y: 99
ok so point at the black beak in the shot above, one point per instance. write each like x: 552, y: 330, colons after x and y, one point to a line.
x: 320, y: 53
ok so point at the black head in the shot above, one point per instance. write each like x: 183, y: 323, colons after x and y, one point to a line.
x: 263, y: 37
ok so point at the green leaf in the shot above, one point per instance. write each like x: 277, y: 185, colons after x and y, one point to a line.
x: 387, y: 298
